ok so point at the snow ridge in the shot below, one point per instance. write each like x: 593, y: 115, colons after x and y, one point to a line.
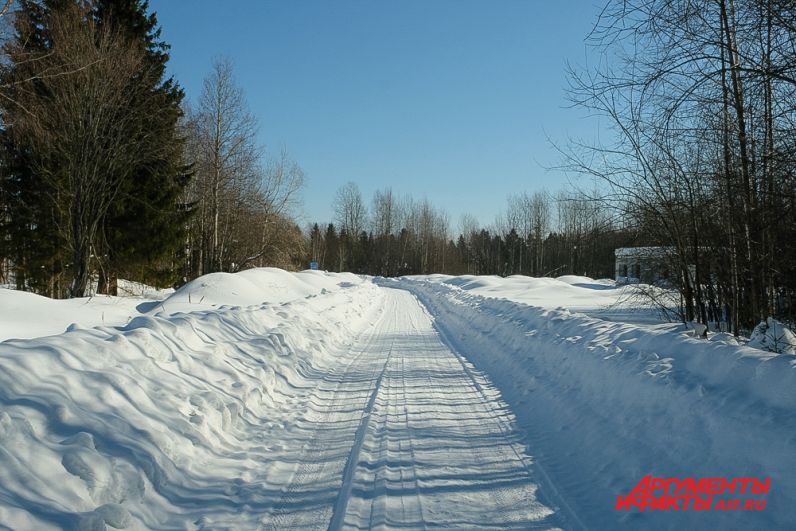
x: 172, y: 421
x: 602, y: 404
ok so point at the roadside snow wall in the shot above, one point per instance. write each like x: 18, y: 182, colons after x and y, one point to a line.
x: 604, y: 404
x: 174, y: 421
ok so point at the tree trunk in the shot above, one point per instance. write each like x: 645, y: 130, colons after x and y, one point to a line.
x: 81, y: 259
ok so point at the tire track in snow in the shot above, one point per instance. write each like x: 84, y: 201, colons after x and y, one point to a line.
x: 409, y: 430
x: 550, y: 488
x: 423, y: 442
x: 435, y: 452
x: 353, y: 458
x: 502, y: 497
x: 309, y: 467
x: 505, y: 424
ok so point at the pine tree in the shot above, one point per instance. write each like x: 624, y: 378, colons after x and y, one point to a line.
x: 28, y: 234
x: 28, y: 231
x: 89, y: 184
x: 332, y: 261
x: 148, y: 223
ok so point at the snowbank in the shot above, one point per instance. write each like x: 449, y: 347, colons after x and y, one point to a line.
x: 603, y: 404
x: 129, y: 288
x: 773, y: 336
x: 175, y: 420
x: 600, y: 298
x: 26, y: 315
x: 254, y: 286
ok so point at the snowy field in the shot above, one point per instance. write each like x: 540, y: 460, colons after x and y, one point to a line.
x: 268, y: 399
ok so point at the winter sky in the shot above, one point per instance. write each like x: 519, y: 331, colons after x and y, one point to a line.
x: 453, y: 100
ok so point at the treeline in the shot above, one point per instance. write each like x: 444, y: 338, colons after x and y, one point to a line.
x: 91, y: 159
x: 701, y: 95
x: 107, y: 171
x: 538, y: 235
x: 242, y: 200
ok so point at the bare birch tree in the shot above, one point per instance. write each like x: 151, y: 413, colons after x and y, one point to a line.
x: 227, y: 159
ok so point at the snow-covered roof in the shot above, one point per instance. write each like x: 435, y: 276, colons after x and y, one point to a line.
x: 642, y: 252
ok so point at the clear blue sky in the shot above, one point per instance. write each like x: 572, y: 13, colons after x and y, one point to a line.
x: 451, y: 100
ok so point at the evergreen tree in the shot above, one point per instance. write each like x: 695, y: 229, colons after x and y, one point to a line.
x: 316, y: 246
x: 28, y: 231
x: 148, y: 223
x: 124, y: 213
x: 332, y: 259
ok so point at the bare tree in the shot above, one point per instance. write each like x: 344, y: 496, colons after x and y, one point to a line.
x: 350, y: 216
x: 384, y: 224
x: 702, y: 98
x: 227, y: 160
x: 384, y: 213
x: 350, y: 211
x: 244, y: 204
x: 81, y: 127
x: 539, y: 215
x: 530, y: 216
x: 277, y: 195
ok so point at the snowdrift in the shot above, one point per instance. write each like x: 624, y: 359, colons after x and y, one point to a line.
x: 253, y: 286
x: 599, y: 298
x: 773, y: 336
x: 603, y: 404
x: 26, y: 315
x: 174, y: 420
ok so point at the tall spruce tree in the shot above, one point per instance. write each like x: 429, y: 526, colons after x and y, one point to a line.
x: 54, y: 224
x: 28, y: 224
x: 147, y: 226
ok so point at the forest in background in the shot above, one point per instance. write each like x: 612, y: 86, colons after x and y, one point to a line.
x: 109, y: 172
x: 538, y: 235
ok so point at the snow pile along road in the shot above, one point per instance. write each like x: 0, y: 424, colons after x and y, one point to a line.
x: 602, y: 298
x: 253, y: 286
x: 175, y: 420
x: 603, y: 404
x: 311, y: 400
x: 26, y: 315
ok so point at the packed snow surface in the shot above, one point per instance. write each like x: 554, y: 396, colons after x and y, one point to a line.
x: 26, y: 315
x: 268, y: 399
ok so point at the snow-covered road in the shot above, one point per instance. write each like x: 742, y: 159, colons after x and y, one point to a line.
x: 348, y: 402
x: 405, y: 433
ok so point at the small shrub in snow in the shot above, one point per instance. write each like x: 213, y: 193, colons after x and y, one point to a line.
x: 773, y: 336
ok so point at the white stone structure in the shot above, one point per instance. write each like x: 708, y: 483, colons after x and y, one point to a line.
x: 641, y: 264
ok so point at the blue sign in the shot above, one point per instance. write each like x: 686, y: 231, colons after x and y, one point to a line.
x: 314, y: 266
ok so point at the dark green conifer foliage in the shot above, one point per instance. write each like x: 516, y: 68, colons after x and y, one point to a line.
x: 147, y: 226
x: 141, y: 231
x: 28, y: 231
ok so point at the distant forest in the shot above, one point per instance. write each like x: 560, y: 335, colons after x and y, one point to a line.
x: 107, y: 171
x: 538, y: 235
